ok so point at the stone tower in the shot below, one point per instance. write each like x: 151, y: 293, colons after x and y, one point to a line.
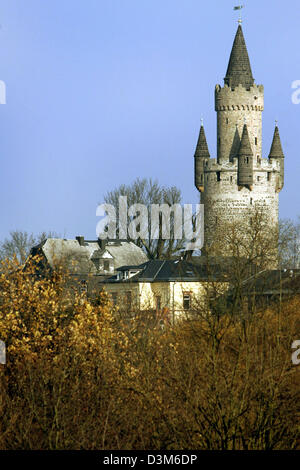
x: 239, y: 179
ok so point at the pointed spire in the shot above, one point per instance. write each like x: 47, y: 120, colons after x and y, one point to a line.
x: 276, y: 148
x: 202, y: 148
x: 239, y: 68
x: 245, y: 146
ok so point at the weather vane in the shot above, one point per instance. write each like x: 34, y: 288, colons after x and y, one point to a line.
x: 239, y: 7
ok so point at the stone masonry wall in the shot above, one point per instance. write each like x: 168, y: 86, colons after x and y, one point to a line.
x: 234, y: 109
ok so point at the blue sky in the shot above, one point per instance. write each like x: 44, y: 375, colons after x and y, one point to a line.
x: 102, y: 91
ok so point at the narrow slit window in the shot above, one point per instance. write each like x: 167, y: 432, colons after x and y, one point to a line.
x: 186, y: 301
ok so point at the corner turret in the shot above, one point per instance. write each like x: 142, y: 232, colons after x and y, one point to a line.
x: 201, y: 156
x: 276, y: 152
x: 245, y: 161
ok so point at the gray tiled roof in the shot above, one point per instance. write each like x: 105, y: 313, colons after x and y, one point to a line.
x: 202, y: 148
x: 276, y: 148
x: 245, y: 147
x: 239, y: 69
x: 274, y: 282
x: 126, y: 253
x: 78, y: 259
x: 172, y: 270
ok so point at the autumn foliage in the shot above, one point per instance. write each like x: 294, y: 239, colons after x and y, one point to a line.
x: 81, y: 376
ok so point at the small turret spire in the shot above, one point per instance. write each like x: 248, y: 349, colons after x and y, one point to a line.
x: 276, y: 147
x: 245, y: 146
x: 245, y: 162
x: 202, y: 147
x: 239, y: 69
x: 201, y: 156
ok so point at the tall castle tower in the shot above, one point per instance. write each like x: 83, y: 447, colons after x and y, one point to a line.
x: 239, y: 179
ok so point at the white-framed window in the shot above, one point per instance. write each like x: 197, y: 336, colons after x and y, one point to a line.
x: 187, y: 300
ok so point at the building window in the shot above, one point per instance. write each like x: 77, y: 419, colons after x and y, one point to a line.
x: 218, y: 176
x: 83, y: 287
x: 269, y: 175
x: 186, y: 301
x: 258, y: 159
x: 227, y: 121
x: 258, y: 178
x: 128, y: 300
x: 231, y: 179
x: 255, y: 140
x: 251, y: 201
x: 114, y: 297
x: 106, y: 265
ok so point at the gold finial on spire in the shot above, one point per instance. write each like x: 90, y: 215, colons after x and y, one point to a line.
x: 276, y: 123
x: 201, y: 121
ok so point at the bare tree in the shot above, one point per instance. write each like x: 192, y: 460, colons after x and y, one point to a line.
x: 20, y: 243
x: 289, y: 243
x: 147, y: 192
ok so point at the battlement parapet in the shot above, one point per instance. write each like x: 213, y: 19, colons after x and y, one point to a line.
x: 239, y: 99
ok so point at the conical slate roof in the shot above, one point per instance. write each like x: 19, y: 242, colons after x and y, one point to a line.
x: 245, y: 147
x: 202, y: 148
x: 239, y: 68
x: 276, y: 148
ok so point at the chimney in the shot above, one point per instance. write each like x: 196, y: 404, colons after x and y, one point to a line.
x: 102, y: 243
x: 80, y: 240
